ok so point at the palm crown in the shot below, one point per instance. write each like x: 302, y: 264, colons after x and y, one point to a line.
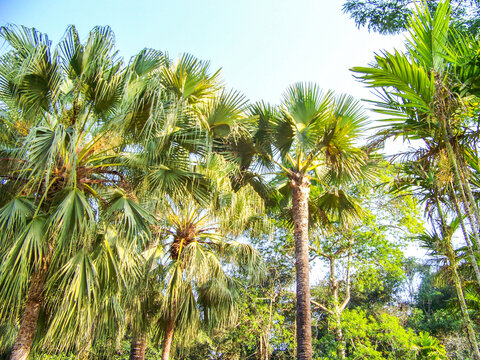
x: 64, y: 178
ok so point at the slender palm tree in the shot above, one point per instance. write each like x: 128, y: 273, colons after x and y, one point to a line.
x: 440, y: 245
x: 201, y: 255
x: 311, y: 136
x: 427, y: 95
x: 423, y: 180
x: 64, y: 188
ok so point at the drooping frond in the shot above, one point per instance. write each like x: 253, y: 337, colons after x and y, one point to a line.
x: 14, y: 216
x: 24, y: 257
x: 339, y: 206
x: 72, y: 223
x: 413, y: 84
x: 132, y: 220
x: 74, y: 295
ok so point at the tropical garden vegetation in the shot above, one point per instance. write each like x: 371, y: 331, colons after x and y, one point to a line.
x: 149, y: 212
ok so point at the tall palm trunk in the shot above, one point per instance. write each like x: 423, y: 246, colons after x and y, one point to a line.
x: 23, y: 342
x: 469, y: 193
x: 442, y: 111
x: 450, y: 253
x: 300, y: 186
x: 463, y: 306
x: 462, y: 186
x: 473, y: 259
x: 138, y: 346
x: 167, y: 341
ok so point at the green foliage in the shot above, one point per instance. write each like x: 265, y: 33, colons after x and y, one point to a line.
x: 391, y: 16
x: 124, y: 188
x: 385, y: 17
x: 265, y: 319
x: 434, y: 308
x: 428, y: 348
x: 382, y: 337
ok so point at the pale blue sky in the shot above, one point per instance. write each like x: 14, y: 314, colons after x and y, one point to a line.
x: 262, y: 46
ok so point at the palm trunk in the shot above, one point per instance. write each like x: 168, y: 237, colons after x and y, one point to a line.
x: 457, y: 282
x: 473, y: 259
x: 300, y: 186
x: 138, y: 346
x: 86, y: 344
x: 461, y: 183
x: 468, y: 191
x: 84, y: 353
x: 167, y: 341
x: 463, y: 306
x: 24, y: 340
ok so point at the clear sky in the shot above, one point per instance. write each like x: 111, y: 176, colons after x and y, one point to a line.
x: 262, y: 46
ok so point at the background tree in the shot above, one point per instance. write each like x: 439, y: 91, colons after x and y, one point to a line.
x: 363, y: 255
x: 391, y: 16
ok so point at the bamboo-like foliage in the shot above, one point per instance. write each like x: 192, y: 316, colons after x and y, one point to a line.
x: 427, y: 95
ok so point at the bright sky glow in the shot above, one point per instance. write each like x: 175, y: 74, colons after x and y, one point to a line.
x: 262, y: 46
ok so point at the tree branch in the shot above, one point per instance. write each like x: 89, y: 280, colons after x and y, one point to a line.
x: 322, y: 307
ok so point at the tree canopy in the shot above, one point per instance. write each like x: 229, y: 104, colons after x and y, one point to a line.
x: 148, y: 211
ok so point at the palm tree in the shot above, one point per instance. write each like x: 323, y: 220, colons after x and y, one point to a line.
x: 427, y: 95
x: 180, y: 115
x: 143, y: 298
x: 63, y: 181
x: 201, y: 246
x: 310, y: 137
x: 440, y: 245
x: 424, y: 181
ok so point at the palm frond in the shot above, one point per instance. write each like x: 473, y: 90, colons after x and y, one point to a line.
x: 25, y: 256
